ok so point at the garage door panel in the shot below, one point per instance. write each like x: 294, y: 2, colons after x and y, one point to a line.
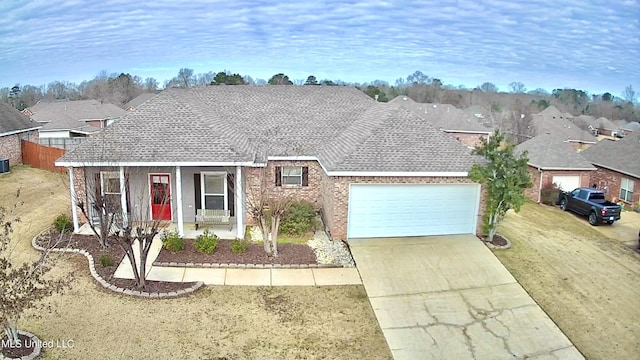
x: 384, y: 210
x: 567, y: 182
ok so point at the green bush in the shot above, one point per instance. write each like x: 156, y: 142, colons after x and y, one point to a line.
x: 62, y: 223
x: 549, y: 194
x: 239, y: 246
x: 299, y: 219
x: 172, y: 241
x: 206, y: 243
x: 106, y: 260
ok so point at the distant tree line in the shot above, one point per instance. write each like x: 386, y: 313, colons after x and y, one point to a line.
x: 120, y: 88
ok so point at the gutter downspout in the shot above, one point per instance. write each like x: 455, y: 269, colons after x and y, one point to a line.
x: 540, y: 186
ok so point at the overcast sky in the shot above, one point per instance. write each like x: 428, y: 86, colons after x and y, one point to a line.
x: 590, y: 45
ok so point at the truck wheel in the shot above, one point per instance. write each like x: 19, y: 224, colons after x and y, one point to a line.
x: 593, y: 220
x: 563, y: 204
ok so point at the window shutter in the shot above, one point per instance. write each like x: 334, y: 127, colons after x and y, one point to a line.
x: 230, y: 192
x: 98, y: 192
x: 196, y: 186
x: 278, y: 176
x: 305, y: 176
x: 127, y: 192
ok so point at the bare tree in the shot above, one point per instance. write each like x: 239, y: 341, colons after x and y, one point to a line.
x: 150, y: 84
x: 517, y: 87
x: 629, y: 94
x: 185, y: 77
x: 23, y: 286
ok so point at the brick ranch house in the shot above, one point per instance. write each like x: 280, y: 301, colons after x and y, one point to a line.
x: 553, y: 161
x: 552, y: 121
x: 460, y: 125
x: 15, y: 127
x: 618, y: 168
x: 372, y: 169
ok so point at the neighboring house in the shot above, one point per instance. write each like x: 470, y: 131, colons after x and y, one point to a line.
x: 553, y: 161
x: 552, y: 121
x: 372, y: 169
x: 631, y: 127
x: 14, y: 126
x: 138, y: 100
x: 618, y: 164
x: 67, y: 119
x: 599, y: 126
x: 465, y: 127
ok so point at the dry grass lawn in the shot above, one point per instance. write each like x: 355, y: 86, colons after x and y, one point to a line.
x: 215, y: 323
x: 587, y: 283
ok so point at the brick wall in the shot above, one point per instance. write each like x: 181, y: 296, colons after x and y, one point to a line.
x: 471, y: 140
x: 10, y: 148
x: 339, y: 210
x: 80, y: 186
x: 533, y: 192
x: 611, y: 180
x: 310, y: 193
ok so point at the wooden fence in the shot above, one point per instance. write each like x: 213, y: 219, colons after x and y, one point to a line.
x: 42, y: 157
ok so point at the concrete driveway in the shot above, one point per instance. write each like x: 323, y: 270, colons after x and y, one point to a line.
x: 448, y: 297
x: 624, y: 230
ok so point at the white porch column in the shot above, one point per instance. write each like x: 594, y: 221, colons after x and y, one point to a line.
x: 179, y: 200
x: 74, y: 201
x: 239, y: 194
x: 123, y: 198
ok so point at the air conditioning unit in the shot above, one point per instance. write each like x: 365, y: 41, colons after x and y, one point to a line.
x: 4, y: 166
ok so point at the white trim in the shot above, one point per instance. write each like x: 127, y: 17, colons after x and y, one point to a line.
x: 540, y: 184
x: 149, y: 175
x: 203, y: 186
x: 488, y: 133
x: 123, y: 198
x: 19, y: 131
x: 156, y: 164
x: 74, y: 210
x: 398, y: 173
x: 239, y: 211
x: 561, y: 169
x: 293, y: 158
x: 179, y: 200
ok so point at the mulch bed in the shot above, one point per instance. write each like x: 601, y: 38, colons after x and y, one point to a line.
x: 498, y: 240
x: 90, y: 244
x: 18, y: 352
x: 288, y: 254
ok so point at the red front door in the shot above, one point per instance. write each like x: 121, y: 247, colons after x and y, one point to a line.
x: 160, y: 197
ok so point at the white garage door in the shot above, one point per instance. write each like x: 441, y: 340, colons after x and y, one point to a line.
x: 390, y: 210
x: 567, y: 182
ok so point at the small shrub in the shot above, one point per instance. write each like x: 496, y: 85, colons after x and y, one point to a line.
x: 549, y: 194
x: 239, y: 246
x: 106, y: 260
x: 299, y: 219
x: 62, y: 223
x: 206, y: 243
x: 172, y: 241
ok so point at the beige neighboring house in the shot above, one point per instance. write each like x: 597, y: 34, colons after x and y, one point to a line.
x: 14, y: 127
x: 371, y: 169
x: 138, y: 100
x: 560, y: 124
x: 465, y: 127
x: 553, y: 161
x: 66, y: 123
x: 599, y: 126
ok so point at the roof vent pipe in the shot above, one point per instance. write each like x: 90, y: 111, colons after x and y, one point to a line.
x: 376, y: 97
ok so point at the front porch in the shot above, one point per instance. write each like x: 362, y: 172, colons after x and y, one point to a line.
x: 224, y: 232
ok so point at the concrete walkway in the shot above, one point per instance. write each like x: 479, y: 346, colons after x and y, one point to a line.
x: 448, y: 297
x: 249, y: 277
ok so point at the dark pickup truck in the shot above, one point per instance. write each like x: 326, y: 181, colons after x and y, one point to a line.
x: 590, y: 202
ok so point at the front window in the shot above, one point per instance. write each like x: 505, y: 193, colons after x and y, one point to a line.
x: 110, y: 185
x: 215, y: 190
x: 626, y: 190
x: 292, y: 175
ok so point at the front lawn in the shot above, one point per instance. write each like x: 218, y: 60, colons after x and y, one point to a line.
x: 224, y: 322
x: 587, y: 283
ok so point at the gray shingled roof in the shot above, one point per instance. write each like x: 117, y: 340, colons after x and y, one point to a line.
x: 443, y: 116
x: 549, y: 151
x: 584, y: 121
x: 71, y: 115
x: 139, y: 100
x: 551, y: 120
x: 342, y: 126
x: 12, y: 120
x: 622, y: 155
